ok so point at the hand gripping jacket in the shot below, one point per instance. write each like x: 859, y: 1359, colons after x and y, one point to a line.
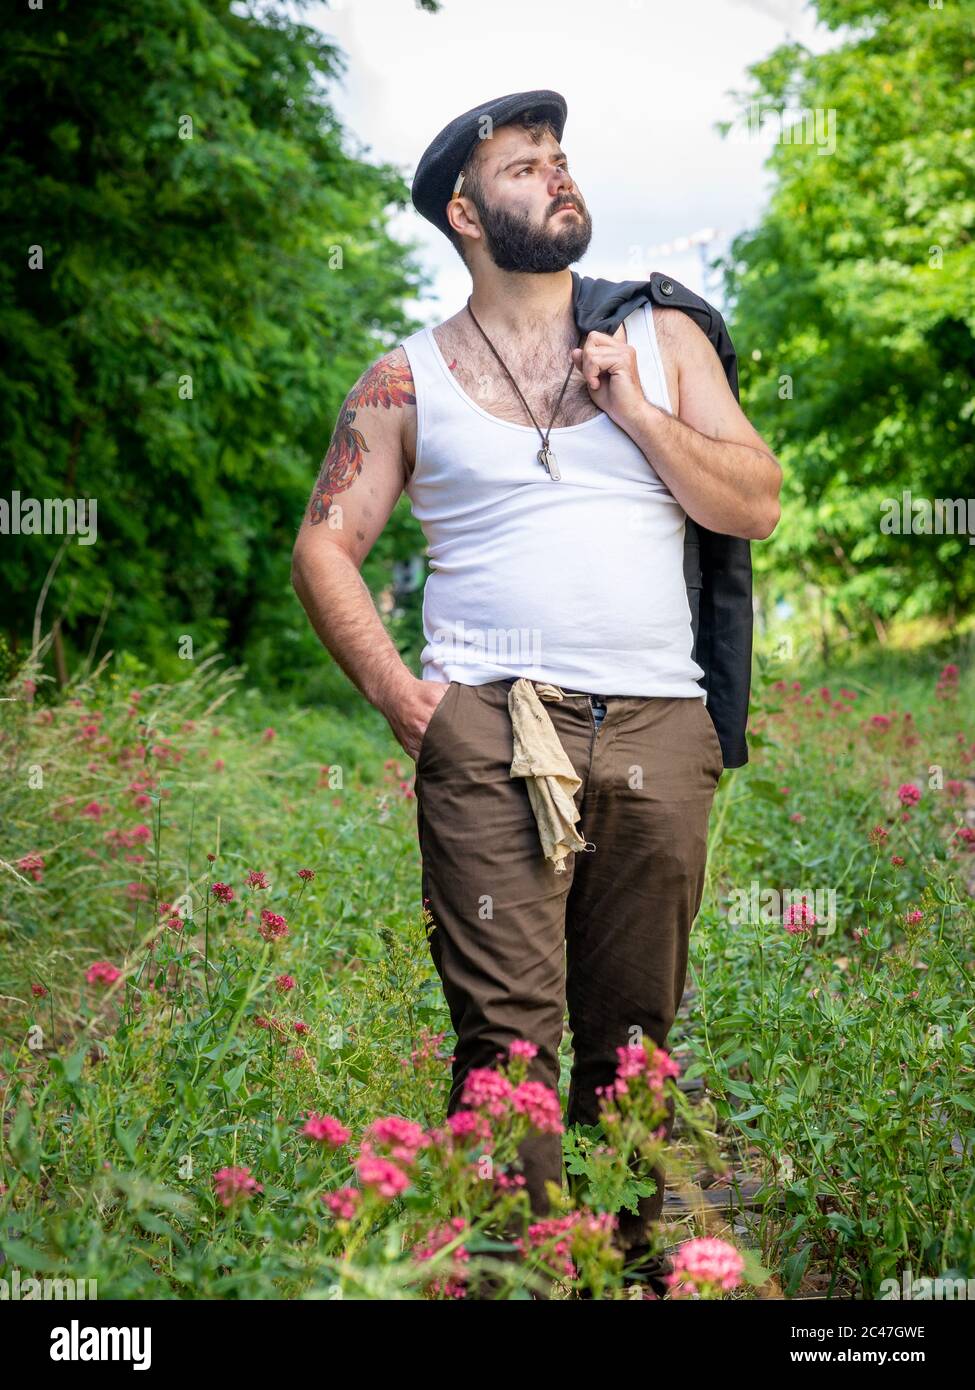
x: 717, y: 568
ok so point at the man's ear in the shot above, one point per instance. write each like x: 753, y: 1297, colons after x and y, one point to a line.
x: 462, y: 216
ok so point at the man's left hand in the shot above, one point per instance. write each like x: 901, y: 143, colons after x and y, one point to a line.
x: 612, y: 376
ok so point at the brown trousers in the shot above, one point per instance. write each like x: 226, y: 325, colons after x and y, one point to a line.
x: 514, y: 942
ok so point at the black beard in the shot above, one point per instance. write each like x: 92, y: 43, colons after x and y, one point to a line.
x: 515, y: 244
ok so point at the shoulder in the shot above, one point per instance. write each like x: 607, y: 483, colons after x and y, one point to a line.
x: 387, y: 384
x: 678, y: 329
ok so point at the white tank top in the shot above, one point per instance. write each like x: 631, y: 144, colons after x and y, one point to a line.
x: 579, y: 582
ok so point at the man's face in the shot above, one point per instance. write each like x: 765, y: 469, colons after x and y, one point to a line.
x: 533, y: 217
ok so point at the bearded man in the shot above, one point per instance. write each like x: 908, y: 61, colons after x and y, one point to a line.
x: 566, y: 759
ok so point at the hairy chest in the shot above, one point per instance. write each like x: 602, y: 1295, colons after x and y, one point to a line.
x: 540, y: 380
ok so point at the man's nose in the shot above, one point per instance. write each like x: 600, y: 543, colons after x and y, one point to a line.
x: 560, y: 182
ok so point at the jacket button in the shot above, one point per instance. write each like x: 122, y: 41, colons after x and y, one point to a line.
x: 666, y: 287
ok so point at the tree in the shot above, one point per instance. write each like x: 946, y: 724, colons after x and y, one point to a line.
x: 855, y: 298
x: 195, y: 268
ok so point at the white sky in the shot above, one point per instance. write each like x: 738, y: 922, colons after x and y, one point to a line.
x: 644, y: 81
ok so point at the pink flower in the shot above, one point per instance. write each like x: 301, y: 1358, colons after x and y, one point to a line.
x: 382, y: 1176
x: 880, y: 721
x: 343, y: 1203
x: 468, y: 1124
x: 898, y: 861
x: 403, y: 1138
x: 301, y: 1028
x: 102, y: 973
x: 555, y: 1235
x: 219, y: 765
x: 93, y: 810
x: 38, y: 991
x: 705, y: 1265
x: 521, y: 1047
x: 284, y: 983
x: 138, y: 892
x: 909, y: 794
x: 454, y: 1285
x: 268, y: 735
x: 799, y: 918
x: 306, y: 874
x: 486, y: 1089
x: 914, y: 918
x: 878, y: 835
x: 326, y: 1129
x: 273, y: 925
x: 257, y: 878
x: 32, y: 864
x: 222, y: 892
x: 235, y: 1184
x: 541, y: 1105
x: 634, y: 1061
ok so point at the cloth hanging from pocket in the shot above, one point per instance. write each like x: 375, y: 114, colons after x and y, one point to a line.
x: 550, y: 777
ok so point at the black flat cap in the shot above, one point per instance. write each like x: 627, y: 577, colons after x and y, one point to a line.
x: 447, y: 153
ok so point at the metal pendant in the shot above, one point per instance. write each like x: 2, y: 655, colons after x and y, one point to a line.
x: 547, y: 459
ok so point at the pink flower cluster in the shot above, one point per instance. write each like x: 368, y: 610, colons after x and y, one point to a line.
x: 382, y: 1175
x: 705, y: 1265
x: 455, y: 1285
x: 403, y: 1139
x: 344, y: 1203
x: 32, y: 864
x: 653, y: 1066
x: 492, y: 1093
x: 273, y: 925
x: 235, y: 1185
x: 798, y: 918
x: 102, y: 972
x: 326, y: 1130
x: 556, y: 1237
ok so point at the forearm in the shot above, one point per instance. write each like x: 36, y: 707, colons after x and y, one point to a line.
x: 727, y: 487
x: 341, y: 610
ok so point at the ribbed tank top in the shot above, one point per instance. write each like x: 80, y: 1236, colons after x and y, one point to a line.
x: 579, y: 582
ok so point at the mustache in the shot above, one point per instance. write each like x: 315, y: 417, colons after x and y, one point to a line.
x: 568, y: 203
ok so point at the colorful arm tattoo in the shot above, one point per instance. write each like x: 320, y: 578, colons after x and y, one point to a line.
x: 384, y: 384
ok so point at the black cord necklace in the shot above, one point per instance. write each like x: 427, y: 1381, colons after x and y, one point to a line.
x: 545, y: 456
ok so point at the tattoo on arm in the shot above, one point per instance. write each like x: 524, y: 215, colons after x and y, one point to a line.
x: 385, y: 384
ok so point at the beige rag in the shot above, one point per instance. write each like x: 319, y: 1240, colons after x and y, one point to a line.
x: 551, y: 779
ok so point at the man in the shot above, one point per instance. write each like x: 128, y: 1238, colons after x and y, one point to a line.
x: 553, y: 474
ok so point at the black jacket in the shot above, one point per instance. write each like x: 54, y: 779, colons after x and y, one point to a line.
x: 717, y: 568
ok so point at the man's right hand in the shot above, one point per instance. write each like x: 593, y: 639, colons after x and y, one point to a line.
x: 412, y: 711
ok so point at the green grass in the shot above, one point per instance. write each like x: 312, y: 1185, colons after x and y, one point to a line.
x: 843, y: 1060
